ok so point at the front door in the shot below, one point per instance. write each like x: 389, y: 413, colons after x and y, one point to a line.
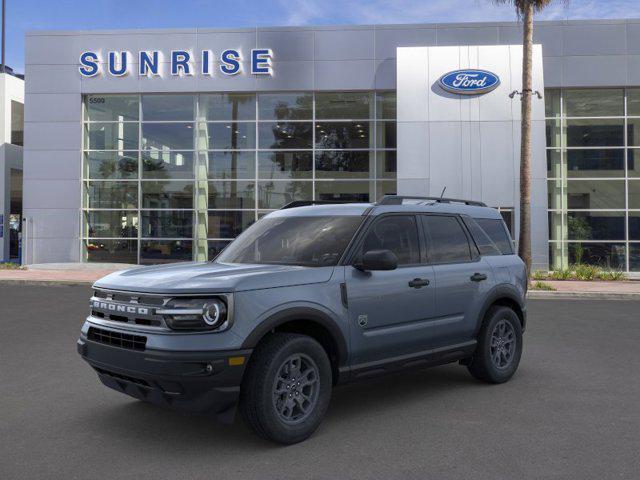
x: 390, y: 311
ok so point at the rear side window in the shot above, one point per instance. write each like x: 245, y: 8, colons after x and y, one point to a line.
x: 446, y: 240
x: 497, y: 233
x: 396, y: 233
x: 485, y: 245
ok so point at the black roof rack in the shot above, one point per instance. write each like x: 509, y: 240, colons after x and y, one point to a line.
x: 307, y: 203
x: 398, y: 199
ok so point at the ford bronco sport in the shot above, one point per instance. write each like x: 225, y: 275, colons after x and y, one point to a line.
x: 310, y: 297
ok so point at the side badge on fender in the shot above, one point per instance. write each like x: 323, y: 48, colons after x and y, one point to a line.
x: 362, y: 320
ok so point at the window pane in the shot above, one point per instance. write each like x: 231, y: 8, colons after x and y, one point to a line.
x: 215, y: 247
x: 110, y: 224
x: 167, y: 136
x: 167, y: 164
x: 633, y: 132
x: 595, y: 133
x: 611, y: 256
x: 633, y: 160
x: 344, y: 164
x: 111, y: 136
x: 111, y: 165
x: 350, y: 105
x: 634, y: 225
x: 227, y: 136
x: 596, y: 225
x: 227, y: 106
x: 165, y: 251
x: 633, y: 101
x: 228, y: 224
x: 285, y: 106
x: 554, y: 164
x: 595, y: 194
x: 386, y: 187
x: 556, y: 231
x: 634, y: 257
x: 387, y: 164
x: 634, y: 194
x: 229, y: 164
x: 599, y: 102
x: 17, y: 123
x: 231, y: 195
x: 174, y: 224
x: 507, y: 218
x: 495, y: 229
x: 167, y: 194
x: 289, y: 135
x: 595, y: 163
x: 277, y: 194
x: 554, y: 191
x: 386, y: 106
x: 168, y: 107
x: 334, y: 135
x: 485, y: 245
x: 446, y: 240
x: 554, y: 133
x: 112, y: 195
x: 386, y: 136
x: 285, y: 165
x: 111, y: 108
x: 112, y: 251
x: 397, y: 233
x: 552, y: 103
x: 355, y: 191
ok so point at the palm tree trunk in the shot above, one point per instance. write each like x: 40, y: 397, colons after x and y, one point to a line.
x: 524, y: 243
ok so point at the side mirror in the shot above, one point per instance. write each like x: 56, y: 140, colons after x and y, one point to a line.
x: 377, y: 260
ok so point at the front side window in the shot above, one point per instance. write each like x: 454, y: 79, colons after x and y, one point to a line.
x: 446, y: 240
x: 395, y: 233
x: 305, y: 241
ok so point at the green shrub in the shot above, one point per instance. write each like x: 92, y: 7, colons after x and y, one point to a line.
x: 587, y: 272
x: 612, y: 275
x: 562, y: 274
x: 539, y: 275
x: 9, y: 266
x: 543, y: 286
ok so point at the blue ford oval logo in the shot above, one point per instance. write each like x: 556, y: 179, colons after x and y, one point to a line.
x: 469, y: 82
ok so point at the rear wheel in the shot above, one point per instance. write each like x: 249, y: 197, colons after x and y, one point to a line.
x: 499, y: 346
x: 287, y: 388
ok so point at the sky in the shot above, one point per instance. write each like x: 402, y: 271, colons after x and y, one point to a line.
x: 26, y: 15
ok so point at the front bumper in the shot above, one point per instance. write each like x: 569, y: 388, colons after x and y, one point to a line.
x: 202, y: 382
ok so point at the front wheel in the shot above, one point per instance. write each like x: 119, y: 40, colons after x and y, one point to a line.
x: 287, y: 388
x: 499, y: 346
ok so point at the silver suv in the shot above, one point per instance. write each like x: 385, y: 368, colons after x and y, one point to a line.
x: 310, y: 297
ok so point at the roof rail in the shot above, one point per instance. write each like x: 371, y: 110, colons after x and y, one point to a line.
x: 307, y: 203
x: 398, y: 199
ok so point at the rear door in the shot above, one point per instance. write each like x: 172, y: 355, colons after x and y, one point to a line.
x: 462, y: 277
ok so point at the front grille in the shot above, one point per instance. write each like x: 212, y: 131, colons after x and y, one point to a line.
x: 130, y: 308
x: 117, y: 339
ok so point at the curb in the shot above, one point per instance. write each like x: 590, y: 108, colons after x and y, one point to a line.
x: 545, y: 295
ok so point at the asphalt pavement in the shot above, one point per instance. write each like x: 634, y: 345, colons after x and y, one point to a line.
x: 571, y: 412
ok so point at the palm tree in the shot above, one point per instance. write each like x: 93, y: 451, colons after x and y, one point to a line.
x: 525, y: 10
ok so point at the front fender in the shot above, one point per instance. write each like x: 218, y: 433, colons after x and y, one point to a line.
x: 503, y: 291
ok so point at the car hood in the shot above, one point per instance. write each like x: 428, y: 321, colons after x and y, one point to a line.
x: 196, y: 277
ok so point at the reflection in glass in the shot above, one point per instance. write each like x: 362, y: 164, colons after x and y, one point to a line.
x: 111, y: 165
x: 165, y: 251
x: 634, y: 194
x: 122, y: 195
x: 167, y: 164
x: 228, y: 224
x: 347, y: 105
x: 227, y: 136
x: 633, y: 132
x: 557, y: 229
x: 554, y: 192
x: 230, y: 164
x: 595, y: 163
x: 595, y: 133
x: 342, y: 135
x: 111, y: 224
x: 387, y: 164
x: 232, y: 195
x: 600, y: 102
x: 285, y: 135
x: 552, y: 103
x: 167, y: 224
x: 276, y: 194
x: 170, y: 194
x: 111, y: 108
x: 353, y: 191
x: 216, y: 246
x: 386, y: 105
x: 344, y: 164
x: 227, y: 106
x: 111, y: 136
x: 167, y: 136
x: 168, y: 107
x: 633, y: 102
x: 633, y: 162
x: 285, y: 106
x: 596, y: 226
x: 386, y: 135
x: 554, y: 164
x: 112, y: 251
x: 284, y: 165
x: 554, y: 133
x: 610, y: 256
x: 634, y: 257
x: 634, y: 225
x: 386, y: 187
x: 595, y: 194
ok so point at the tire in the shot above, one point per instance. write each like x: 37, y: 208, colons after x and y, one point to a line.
x: 275, y: 404
x: 495, y: 359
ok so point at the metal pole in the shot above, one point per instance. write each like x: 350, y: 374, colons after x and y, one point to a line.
x: 4, y: 6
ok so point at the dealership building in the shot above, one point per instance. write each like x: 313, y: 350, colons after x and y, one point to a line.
x: 150, y: 146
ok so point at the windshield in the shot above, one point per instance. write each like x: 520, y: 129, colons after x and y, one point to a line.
x: 306, y: 241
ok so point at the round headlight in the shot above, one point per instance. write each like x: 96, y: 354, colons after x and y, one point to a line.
x: 214, y: 313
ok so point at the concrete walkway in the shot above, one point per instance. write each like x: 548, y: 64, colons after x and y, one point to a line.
x: 629, y: 290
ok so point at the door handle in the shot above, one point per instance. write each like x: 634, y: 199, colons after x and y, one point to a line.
x: 478, y: 277
x: 419, y: 283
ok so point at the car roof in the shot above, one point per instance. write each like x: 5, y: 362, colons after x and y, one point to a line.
x: 373, y: 209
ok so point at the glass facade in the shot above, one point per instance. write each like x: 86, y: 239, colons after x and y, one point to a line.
x: 593, y: 177
x: 171, y: 177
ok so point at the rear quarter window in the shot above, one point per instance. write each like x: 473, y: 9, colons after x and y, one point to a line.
x: 497, y: 232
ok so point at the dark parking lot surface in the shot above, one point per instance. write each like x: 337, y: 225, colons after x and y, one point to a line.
x: 571, y: 411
